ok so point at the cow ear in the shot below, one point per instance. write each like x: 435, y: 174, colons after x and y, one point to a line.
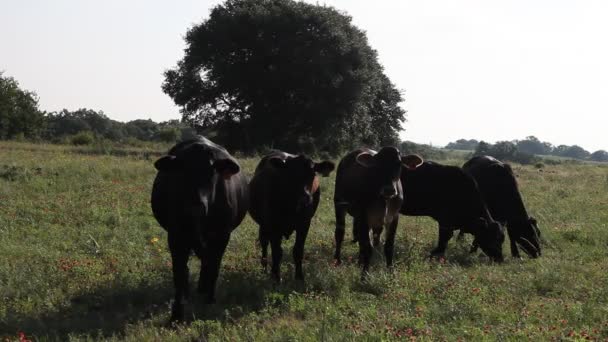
x: 324, y: 168
x: 166, y: 163
x: 365, y: 159
x: 411, y: 161
x: 277, y: 162
x: 226, y: 167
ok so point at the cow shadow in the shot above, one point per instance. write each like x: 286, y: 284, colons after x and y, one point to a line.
x: 107, y: 312
x: 407, y: 253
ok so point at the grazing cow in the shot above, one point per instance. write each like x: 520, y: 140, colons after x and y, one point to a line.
x: 451, y: 197
x: 499, y: 189
x: 199, y: 196
x: 285, y: 193
x: 368, y: 187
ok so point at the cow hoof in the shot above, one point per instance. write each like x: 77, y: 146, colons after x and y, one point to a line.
x: 276, y: 279
x: 201, y: 290
x: 264, y: 263
x: 437, y: 256
x: 177, y: 316
x: 337, y: 262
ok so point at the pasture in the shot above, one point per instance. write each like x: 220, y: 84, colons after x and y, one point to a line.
x: 82, y: 258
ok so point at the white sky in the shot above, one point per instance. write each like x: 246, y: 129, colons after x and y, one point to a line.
x: 491, y: 70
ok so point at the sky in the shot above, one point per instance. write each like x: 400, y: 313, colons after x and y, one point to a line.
x: 489, y: 70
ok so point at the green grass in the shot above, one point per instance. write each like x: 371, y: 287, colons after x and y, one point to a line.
x: 79, y: 261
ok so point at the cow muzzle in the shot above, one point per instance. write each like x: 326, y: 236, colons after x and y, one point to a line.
x: 203, y: 203
x: 304, y: 201
x: 388, y: 192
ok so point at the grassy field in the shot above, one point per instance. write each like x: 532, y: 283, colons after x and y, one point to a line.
x: 82, y: 258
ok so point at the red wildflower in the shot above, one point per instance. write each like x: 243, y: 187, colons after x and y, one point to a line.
x: 22, y: 337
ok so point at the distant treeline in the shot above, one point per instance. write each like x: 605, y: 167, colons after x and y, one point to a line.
x: 525, y: 150
x: 21, y: 119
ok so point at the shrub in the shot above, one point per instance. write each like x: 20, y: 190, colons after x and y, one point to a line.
x: 169, y: 134
x: 82, y: 138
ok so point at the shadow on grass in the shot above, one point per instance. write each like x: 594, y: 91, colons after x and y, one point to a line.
x: 103, y: 312
x: 408, y: 253
x: 107, y: 312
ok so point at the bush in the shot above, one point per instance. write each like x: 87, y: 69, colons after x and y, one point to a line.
x: 82, y: 138
x: 169, y: 135
x: 425, y: 151
x: 505, y: 151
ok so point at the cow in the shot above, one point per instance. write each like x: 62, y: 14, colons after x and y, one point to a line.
x: 451, y: 197
x: 500, y: 192
x: 369, y: 189
x: 284, y: 196
x: 199, y: 197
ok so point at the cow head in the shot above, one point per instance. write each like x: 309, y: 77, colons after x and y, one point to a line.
x: 386, y: 169
x: 490, y: 237
x: 196, y: 169
x: 528, y: 236
x: 300, y: 177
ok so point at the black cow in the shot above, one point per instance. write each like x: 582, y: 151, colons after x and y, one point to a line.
x: 451, y: 197
x: 199, y: 196
x: 499, y: 189
x: 368, y: 187
x: 285, y: 193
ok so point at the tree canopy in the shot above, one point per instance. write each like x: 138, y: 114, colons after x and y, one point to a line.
x: 463, y: 144
x: 19, y: 114
x: 505, y: 151
x: 532, y: 145
x: 284, y: 74
x: 523, y: 150
x: 599, y: 156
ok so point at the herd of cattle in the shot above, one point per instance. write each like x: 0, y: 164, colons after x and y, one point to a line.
x: 200, y: 196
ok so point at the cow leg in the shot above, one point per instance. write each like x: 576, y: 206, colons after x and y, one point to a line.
x: 376, y: 232
x: 264, y: 241
x: 389, y: 243
x: 365, y: 246
x: 211, y: 268
x: 277, y: 254
x: 179, y: 259
x: 298, y: 248
x: 474, y: 246
x: 445, y: 234
x: 340, y: 211
x: 512, y: 238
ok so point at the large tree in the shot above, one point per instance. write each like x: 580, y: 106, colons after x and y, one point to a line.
x: 532, y: 145
x: 19, y: 114
x: 599, y: 155
x: 463, y: 144
x: 282, y: 73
